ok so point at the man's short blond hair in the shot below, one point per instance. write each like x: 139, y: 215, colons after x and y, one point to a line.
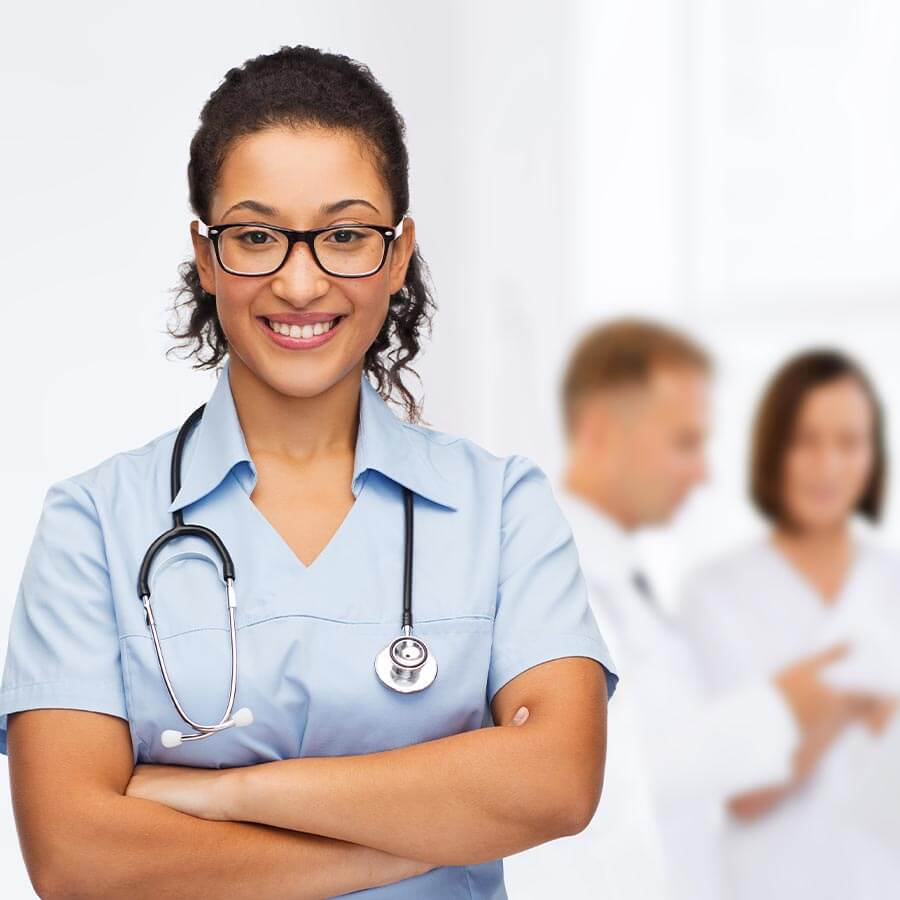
x: 621, y: 353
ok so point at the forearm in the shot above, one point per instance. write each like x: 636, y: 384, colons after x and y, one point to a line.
x: 457, y: 800
x: 751, y: 805
x: 128, y: 846
x: 754, y: 804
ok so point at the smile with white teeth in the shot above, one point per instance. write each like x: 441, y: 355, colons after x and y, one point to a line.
x: 301, y: 331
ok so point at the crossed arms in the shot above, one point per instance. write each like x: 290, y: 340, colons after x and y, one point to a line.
x: 310, y: 827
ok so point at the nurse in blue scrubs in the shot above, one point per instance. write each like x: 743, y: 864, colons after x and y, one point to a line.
x: 340, y: 784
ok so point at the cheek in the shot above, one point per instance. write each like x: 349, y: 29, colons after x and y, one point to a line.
x: 234, y: 298
x: 798, y: 467
x: 859, y: 468
x: 370, y: 299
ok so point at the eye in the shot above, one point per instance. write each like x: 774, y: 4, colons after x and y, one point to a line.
x: 259, y: 233
x: 345, y: 235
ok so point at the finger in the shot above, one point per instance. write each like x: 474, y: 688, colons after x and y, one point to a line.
x: 520, y: 716
x: 829, y: 655
x: 869, y: 700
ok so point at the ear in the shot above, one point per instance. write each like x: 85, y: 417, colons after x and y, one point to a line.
x: 596, y: 423
x: 203, y: 256
x: 401, y: 252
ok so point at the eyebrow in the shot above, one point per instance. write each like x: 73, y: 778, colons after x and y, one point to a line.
x: 325, y: 209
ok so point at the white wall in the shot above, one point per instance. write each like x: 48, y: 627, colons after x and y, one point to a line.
x: 747, y: 187
x: 731, y: 167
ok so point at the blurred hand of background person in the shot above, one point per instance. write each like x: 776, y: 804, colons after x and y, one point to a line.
x: 822, y: 713
x: 820, y: 708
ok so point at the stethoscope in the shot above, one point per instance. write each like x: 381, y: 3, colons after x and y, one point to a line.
x: 405, y: 664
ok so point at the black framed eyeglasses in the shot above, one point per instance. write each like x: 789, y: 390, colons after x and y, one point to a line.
x: 348, y: 251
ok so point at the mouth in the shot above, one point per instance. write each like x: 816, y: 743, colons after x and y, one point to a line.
x: 300, y: 337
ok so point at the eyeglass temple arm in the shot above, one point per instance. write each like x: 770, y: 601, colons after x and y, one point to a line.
x: 398, y: 229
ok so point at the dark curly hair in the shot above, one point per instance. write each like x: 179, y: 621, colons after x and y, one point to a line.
x: 292, y: 88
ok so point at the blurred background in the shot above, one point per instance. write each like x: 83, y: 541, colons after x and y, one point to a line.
x: 729, y: 168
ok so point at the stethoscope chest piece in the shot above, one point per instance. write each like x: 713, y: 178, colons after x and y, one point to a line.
x: 405, y: 665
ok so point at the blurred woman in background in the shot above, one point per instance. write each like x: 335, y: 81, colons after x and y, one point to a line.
x: 818, y: 460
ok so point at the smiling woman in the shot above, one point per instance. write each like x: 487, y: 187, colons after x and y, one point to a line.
x: 307, y: 287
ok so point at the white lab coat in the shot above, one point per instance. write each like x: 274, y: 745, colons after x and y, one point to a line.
x: 753, y: 612
x: 672, y: 754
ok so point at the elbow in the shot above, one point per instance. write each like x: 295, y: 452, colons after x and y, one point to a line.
x: 72, y: 869
x: 55, y: 885
x: 71, y: 885
x: 576, y: 817
x: 43, y: 886
x: 568, y: 809
x: 579, y: 805
x: 51, y: 890
x: 48, y: 876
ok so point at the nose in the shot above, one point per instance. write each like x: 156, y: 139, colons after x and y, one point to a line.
x: 300, y: 279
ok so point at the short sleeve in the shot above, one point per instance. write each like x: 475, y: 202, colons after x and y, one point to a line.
x: 63, y: 648
x: 543, y: 611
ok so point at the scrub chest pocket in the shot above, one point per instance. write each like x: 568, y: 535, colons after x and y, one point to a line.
x: 309, y: 680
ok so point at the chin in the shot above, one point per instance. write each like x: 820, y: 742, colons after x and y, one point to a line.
x: 658, y: 518
x: 821, y: 519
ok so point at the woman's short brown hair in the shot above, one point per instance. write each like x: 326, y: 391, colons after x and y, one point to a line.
x: 776, y: 419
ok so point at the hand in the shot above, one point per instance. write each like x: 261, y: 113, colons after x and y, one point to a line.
x: 821, y: 712
x: 878, y: 713
x: 197, y: 792
x: 521, y: 715
x: 817, y: 707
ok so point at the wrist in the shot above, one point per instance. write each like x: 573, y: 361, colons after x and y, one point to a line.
x: 393, y: 868
x: 231, y: 791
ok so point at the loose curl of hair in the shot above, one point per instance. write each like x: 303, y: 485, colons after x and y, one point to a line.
x: 298, y: 87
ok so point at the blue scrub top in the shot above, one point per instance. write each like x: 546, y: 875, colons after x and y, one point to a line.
x: 497, y: 589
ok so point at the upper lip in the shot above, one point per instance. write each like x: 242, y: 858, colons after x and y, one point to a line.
x: 299, y: 318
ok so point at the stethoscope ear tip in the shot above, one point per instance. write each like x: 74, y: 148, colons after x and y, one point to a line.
x: 244, y: 716
x: 173, y: 738
x: 170, y: 738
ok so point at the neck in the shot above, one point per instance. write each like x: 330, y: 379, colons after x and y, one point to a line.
x: 599, y: 492
x: 296, y: 429
x: 824, y: 541
x: 822, y: 555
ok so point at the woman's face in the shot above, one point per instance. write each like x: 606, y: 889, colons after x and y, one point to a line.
x: 830, y: 456
x: 310, y: 178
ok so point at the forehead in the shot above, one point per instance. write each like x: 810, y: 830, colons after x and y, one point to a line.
x: 678, y: 388
x: 844, y: 397
x: 298, y: 170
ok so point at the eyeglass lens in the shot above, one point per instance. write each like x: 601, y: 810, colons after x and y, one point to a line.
x: 256, y: 250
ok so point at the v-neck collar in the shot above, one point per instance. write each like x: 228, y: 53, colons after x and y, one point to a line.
x: 337, y: 536
x: 384, y: 443
x: 824, y: 604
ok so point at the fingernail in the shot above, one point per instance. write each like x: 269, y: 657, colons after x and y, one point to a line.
x: 520, y: 716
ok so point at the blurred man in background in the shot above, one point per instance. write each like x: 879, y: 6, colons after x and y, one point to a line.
x: 635, y: 410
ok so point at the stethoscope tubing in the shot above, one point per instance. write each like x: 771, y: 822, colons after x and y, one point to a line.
x: 392, y: 668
